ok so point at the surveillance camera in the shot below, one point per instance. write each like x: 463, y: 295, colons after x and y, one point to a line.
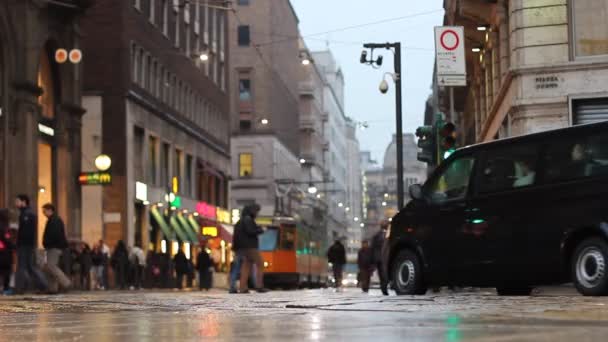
x: 379, y: 60
x: 363, y: 58
x: 383, y: 87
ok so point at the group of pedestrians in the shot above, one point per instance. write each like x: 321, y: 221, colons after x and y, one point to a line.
x: 369, y: 259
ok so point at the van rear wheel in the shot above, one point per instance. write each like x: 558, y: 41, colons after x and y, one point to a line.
x: 407, y: 274
x: 589, y: 265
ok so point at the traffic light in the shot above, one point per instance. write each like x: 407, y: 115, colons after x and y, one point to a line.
x: 446, y: 139
x: 426, y: 142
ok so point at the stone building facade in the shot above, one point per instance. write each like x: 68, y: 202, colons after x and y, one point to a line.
x: 40, y: 107
x: 159, y: 111
x: 536, y: 65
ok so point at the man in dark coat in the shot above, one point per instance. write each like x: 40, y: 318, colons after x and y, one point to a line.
x: 181, y: 267
x: 26, y: 247
x: 336, y: 255
x: 377, y: 245
x: 246, y: 245
x: 55, y: 242
x: 365, y: 261
x: 204, y: 264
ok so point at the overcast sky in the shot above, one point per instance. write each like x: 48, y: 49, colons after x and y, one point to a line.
x: 363, y: 100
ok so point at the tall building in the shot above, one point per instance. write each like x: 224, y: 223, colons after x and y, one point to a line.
x: 264, y: 105
x: 160, y: 112
x: 334, y: 131
x: 40, y: 106
x: 537, y: 66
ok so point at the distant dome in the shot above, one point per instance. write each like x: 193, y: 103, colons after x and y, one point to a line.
x: 410, y: 153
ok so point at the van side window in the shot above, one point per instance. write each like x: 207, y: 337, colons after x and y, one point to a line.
x: 577, y: 158
x: 509, y: 168
x: 453, y: 181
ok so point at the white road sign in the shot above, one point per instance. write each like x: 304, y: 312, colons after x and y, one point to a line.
x: 450, y: 56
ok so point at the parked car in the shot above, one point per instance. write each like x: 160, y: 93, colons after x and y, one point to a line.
x: 511, y: 214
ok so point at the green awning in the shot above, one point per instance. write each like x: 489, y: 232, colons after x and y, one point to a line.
x: 187, y: 228
x: 195, y: 226
x: 178, y: 229
x: 160, y: 220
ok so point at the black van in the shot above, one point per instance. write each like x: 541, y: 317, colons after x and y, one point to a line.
x: 511, y: 214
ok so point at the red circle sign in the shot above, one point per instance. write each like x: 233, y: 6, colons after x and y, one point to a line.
x: 446, y: 46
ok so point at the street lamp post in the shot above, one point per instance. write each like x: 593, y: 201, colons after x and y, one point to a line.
x: 396, y: 47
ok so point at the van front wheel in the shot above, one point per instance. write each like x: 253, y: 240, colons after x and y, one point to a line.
x: 590, y: 267
x: 407, y: 274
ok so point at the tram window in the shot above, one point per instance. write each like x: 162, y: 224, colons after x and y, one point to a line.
x: 288, y: 238
x: 268, y: 240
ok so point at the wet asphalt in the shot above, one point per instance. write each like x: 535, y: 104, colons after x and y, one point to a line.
x: 554, y: 314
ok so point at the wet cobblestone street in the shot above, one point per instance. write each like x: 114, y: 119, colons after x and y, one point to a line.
x: 302, y: 315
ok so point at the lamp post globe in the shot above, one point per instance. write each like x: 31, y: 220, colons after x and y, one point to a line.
x: 103, y: 162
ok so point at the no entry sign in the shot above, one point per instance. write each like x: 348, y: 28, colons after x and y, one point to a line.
x: 450, y: 56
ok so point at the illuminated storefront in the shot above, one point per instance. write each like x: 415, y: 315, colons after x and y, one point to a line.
x: 216, y: 231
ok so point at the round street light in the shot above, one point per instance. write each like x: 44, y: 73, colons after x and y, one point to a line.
x: 264, y: 121
x: 312, y: 189
x: 204, y: 57
x: 302, y: 161
x: 103, y: 162
x: 362, y: 225
x: 356, y: 219
x: 340, y: 204
x: 306, y: 61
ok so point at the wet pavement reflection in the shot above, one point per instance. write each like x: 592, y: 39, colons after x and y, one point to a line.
x: 301, y: 316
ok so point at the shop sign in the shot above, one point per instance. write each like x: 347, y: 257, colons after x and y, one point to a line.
x: 209, y: 231
x: 223, y: 216
x: 206, y: 210
x: 95, y: 178
x: 141, y: 191
x: 236, y: 216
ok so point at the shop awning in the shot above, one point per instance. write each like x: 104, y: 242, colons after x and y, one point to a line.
x: 160, y: 220
x: 194, y: 225
x: 178, y: 229
x: 192, y: 235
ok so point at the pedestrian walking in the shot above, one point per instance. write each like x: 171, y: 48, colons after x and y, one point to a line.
x: 6, y: 253
x: 105, y: 250
x: 336, y: 255
x: 120, y: 264
x: 246, y: 244
x: 27, y: 270
x: 138, y: 264
x: 377, y: 246
x: 86, y: 263
x: 365, y: 261
x: 54, y: 242
x: 181, y: 268
x: 205, y: 267
x: 98, y: 260
x: 235, y: 273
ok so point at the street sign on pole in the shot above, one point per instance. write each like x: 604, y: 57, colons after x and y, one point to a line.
x: 450, y: 56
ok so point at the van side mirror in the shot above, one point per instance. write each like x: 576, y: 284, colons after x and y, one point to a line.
x: 416, y: 191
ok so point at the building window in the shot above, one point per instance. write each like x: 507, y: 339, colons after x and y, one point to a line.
x: 152, y: 157
x: 138, y: 146
x: 164, y: 165
x: 590, y: 27
x: 165, y: 17
x: 245, y: 125
x: 177, y: 166
x: 177, y: 27
x: 152, y: 16
x: 134, y: 62
x: 243, y: 35
x: 245, y: 90
x: 243, y: 2
x: 245, y: 165
x: 188, y: 178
